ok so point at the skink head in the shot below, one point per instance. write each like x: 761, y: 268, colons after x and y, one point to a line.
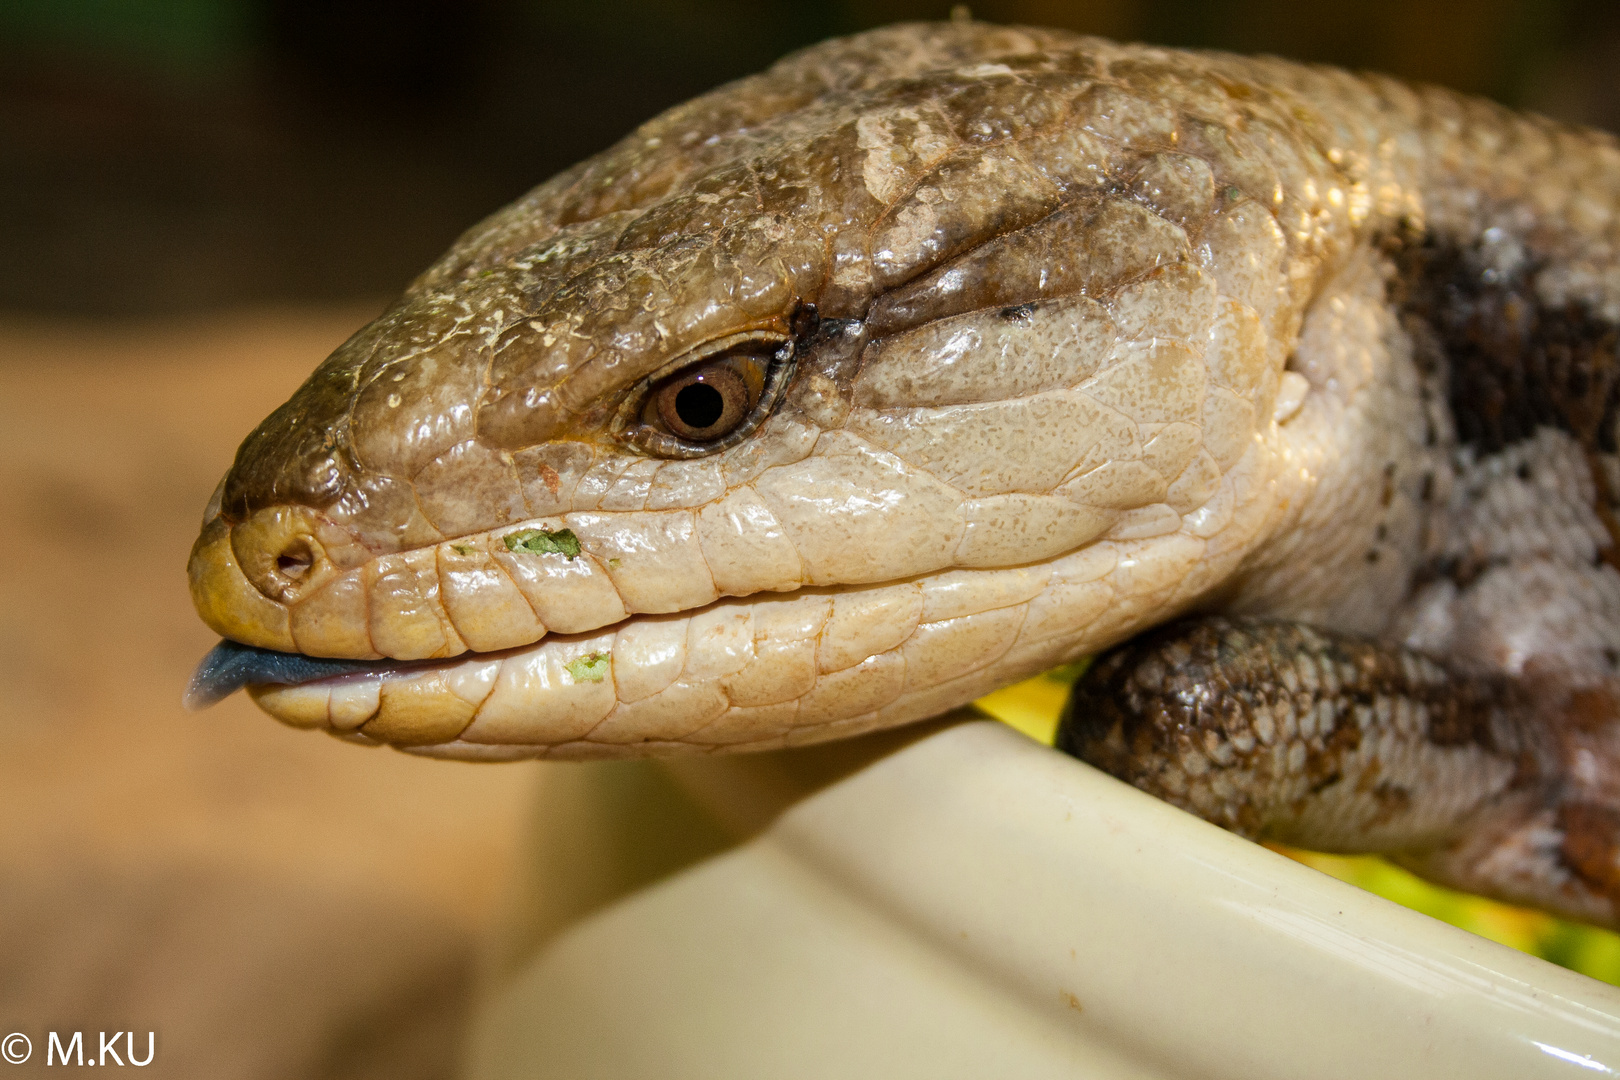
x: 896, y: 327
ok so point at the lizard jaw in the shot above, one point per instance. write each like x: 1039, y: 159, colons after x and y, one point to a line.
x: 769, y: 670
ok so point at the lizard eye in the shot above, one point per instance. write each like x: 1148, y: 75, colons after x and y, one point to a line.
x: 710, y: 405
x: 710, y: 401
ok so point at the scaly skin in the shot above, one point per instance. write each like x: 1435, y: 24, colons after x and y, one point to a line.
x: 1074, y: 339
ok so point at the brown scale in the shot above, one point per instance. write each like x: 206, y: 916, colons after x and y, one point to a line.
x: 1204, y: 713
x: 1173, y: 709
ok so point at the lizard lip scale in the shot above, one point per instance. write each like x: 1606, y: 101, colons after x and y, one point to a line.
x: 937, y: 356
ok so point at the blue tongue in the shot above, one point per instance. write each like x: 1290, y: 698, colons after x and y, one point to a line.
x: 229, y: 666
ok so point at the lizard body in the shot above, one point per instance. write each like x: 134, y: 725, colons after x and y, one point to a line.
x: 936, y: 356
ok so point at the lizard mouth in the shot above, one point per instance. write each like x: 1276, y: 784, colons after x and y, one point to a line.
x: 231, y: 666
x: 741, y: 673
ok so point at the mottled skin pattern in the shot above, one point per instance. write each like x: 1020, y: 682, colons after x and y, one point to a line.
x: 1035, y: 342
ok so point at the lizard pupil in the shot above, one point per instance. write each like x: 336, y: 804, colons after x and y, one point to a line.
x: 699, y: 406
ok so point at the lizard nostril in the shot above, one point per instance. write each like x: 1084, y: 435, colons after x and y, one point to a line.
x: 294, y: 562
x: 279, y: 554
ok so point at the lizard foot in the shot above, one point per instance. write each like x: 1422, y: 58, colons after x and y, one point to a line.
x: 1279, y: 731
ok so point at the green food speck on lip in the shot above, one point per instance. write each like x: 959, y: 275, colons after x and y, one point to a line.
x: 544, y: 542
x: 462, y: 549
x: 592, y: 667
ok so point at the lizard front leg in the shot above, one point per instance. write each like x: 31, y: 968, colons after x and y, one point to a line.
x: 1279, y: 731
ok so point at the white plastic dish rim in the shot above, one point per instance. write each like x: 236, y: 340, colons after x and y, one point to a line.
x: 940, y: 903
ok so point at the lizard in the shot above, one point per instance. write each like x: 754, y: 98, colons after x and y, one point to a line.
x: 939, y: 355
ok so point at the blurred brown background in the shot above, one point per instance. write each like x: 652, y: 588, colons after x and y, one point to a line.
x: 198, y: 200
x: 161, y: 156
